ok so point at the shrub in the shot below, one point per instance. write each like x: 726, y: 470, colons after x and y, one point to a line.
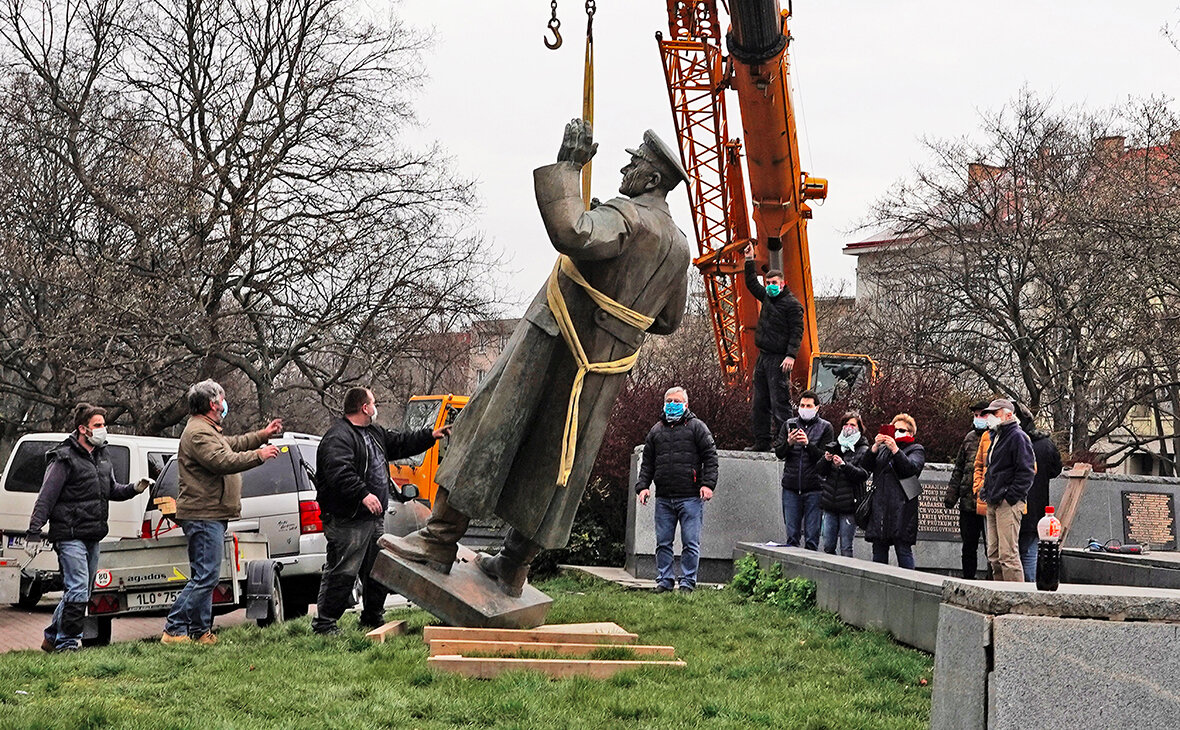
x: 771, y: 586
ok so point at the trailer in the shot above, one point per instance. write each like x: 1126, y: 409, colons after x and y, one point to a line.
x: 143, y: 577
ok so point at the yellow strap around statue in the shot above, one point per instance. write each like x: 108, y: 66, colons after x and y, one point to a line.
x: 569, y: 436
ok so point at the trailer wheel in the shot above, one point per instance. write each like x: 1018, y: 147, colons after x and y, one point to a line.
x: 274, y: 613
x: 31, y: 590
x: 103, y: 637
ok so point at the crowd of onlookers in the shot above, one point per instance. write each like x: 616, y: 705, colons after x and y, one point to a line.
x: 838, y: 477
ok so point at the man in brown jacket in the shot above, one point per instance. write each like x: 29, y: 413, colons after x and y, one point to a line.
x: 208, y: 464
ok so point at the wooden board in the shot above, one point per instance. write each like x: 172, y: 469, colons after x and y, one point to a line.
x: 393, y: 628
x: 599, y: 627
x: 487, y: 668
x: 1072, y: 497
x: 443, y: 647
x: 431, y: 633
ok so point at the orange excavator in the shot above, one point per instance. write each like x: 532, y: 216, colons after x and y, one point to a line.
x: 757, y: 69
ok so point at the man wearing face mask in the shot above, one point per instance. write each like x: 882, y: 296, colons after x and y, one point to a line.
x: 353, y: 491
x: 779, y: 334
x: 800, y: 444
x: 1011, y: 468
x: 208, y: 467
x: 78, y: 485
x: 679, y: 456
x: 960, y: 492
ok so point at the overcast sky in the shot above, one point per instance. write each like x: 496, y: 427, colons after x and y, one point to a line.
x: 871, y: 79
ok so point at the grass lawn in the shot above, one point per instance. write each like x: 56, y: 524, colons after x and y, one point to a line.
x: 749, y: 665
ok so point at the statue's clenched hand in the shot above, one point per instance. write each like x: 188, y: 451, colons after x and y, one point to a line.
x: 577, y: 144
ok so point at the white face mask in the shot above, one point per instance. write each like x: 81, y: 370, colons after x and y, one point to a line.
x: 993, y: 421
x: 808, y: 413
x: 97, y: 437
x: 373, y: 415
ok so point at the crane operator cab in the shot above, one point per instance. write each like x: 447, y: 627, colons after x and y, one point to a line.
x: 835, y: 375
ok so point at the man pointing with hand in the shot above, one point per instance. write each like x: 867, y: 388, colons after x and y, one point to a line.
x: 208, y: 464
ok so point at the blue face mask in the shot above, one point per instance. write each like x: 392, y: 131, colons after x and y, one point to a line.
x: 979, y: 423
x: 224, y: 408
x: 673, y: 410
x: 774, y: 290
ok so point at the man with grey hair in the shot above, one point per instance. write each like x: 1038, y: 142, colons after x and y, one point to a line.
x: 208, y: 463
x: 679, y: 456
x: 1010, y: 466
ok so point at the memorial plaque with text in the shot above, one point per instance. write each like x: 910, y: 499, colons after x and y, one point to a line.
x: 1149, y: 518
x: 935, y: 521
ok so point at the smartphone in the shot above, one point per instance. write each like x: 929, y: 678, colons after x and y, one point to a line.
x: 887, y: 430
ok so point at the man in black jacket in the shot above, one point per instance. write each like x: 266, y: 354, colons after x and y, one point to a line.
x: 960, y: 492
x: 801, y: 445
x: 779, y: 334
x: 1048, y: 458
x: 1011, y: 467
x: 353, y: 488
x: 680, y: 457
x: 78, y: 485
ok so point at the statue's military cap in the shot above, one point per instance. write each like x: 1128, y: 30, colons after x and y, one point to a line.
x: 660, y: 156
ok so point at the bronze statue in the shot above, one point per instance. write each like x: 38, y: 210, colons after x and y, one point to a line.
x: 524, y: 445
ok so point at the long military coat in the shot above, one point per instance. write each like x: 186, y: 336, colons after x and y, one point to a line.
x: 505, y: 454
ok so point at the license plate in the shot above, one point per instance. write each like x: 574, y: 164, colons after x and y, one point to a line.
x: 18, y: 542
x: 150, y: 600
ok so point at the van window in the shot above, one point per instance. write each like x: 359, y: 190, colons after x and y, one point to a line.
x: 156, y: 461
x: 276, y: 476
x: 27, y: 466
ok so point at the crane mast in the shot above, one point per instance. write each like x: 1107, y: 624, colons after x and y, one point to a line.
x: 757, y: 69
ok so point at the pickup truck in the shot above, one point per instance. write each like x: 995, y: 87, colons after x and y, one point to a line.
x: 143, y: 577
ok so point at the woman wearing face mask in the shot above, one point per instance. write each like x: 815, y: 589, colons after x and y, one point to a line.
x: 79, y: 482
x: 893, y: 460
x: 844, y: 484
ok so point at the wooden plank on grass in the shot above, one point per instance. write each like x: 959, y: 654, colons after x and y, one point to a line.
x: 487, y: 668
x: 598, y: 627
x: 430, y: 633
x: 393, y: 628
x: 442, y: 647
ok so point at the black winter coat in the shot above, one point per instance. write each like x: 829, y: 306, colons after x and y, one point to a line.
x: 78, y: 505
x: 961, y: 488
x: 800, y: 462
x: 342, y: 464
x: 844, y: 486
x: 1010, y: 466
x: 680, y: 457
x: 894, y: 518
x: 780, y: 322
x: 1049, y: 465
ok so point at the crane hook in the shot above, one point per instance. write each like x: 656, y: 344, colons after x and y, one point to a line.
x: 555, y: 26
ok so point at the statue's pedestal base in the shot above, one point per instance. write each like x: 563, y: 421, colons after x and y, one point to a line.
x: 466, y: 597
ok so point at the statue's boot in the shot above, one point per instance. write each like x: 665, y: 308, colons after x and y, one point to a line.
x: 436, y: 544
x: 510, y: 567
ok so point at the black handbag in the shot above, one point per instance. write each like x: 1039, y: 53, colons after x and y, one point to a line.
x: 864, y: 510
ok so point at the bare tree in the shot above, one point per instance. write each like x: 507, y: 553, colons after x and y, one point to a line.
x: 1024, y: 263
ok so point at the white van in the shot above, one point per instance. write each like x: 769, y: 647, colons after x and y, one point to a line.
x: 133, y: 458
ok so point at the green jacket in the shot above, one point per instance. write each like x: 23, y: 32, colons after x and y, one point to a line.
x: 208, y: 463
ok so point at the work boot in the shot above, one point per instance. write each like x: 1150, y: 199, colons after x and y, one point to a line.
x: 167, y: 638
x: 436, y: 544
x: 510, y: 567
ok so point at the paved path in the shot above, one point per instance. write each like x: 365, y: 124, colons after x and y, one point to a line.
x: 21, y: 629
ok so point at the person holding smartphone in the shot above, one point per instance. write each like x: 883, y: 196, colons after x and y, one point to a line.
x: 896, y: 461
x: 800, y: 444
x: 844, y: 484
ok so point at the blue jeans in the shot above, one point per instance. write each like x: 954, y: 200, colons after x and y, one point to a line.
x: 688, y: 511
x: 192, y: 613
x: 905, y: 554
x: 841, y: 526
x: 78, y: 561
x: 801, y: 514
x: 1028, y: 555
